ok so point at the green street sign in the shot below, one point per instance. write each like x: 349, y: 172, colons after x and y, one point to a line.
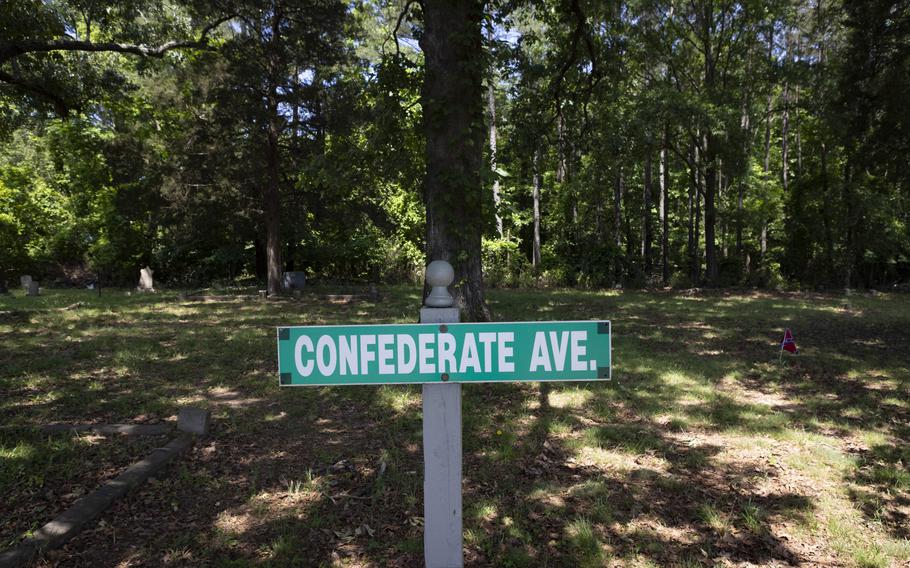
x: 435, y: 353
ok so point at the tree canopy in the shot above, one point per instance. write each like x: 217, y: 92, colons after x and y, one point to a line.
x: 557, y: 142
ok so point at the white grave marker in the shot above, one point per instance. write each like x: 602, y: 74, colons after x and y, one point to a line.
x: 146, y: 284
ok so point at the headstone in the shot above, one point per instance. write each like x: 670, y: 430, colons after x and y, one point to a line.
x: 146, y: 284
x: 33, y: 289
x: 25, y: 281
x: 293, y: 280
x: 194, y: 420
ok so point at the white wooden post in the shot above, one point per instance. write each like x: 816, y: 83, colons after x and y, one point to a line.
x: 442, y: 536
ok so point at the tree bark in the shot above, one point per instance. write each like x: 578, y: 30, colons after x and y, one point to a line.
x: 827, y: 215
x: 272, y: 199
x: 560, y: 147
x: 646, y: 215
x: 798, y: 136
x: 763, y: 239
x: 784, y: 136
x: 710, y: 210
x: 535, y: 246
x: 851, y: 216
x: 452, y: 100
x: 741, y: 190
x: 617, y: 223
x: 767, y: 162
x: 698, y: 218
x: 664, y: 210
x: 766, y: 166
x: 710, y: 149
x: 695, y: 193
x: 746, y: 124
x: 491, y: 107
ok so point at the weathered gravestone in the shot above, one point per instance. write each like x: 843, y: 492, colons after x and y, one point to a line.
x: 33, y: 289
x: 194, y: 420
x: 146, y: 284
x: 25, y: 281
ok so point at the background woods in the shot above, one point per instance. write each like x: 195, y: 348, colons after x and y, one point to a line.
x: 550, y: 150
x: 571, y: 142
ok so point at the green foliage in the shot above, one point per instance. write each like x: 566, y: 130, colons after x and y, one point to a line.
x: 37, y: 222
x: 504, y: 265
x: 163, y: 161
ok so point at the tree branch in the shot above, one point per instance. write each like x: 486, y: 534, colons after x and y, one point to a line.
x: 401, y: 17
x: 12, y: 50
x: 9, y: 51
x: 60, y: 105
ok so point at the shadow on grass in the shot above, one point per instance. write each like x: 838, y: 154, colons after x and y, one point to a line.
x: 530, y: 497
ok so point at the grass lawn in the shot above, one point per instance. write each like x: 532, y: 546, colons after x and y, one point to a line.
x: 703, y: 450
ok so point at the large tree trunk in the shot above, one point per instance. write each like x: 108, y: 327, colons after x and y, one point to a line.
x: 695, y: 193
x: 272, y: 201
x: 664, y: 210
x: 798, y: 136
x: 784, y: 137
x: 710, y: 147
x: 851, y: 215
x: 766, y: 166
x: 827, y: 216
x: 535, y: 246
x: 452, y: 100
x: 560, y: 147
x: 617, y: 224
x: 767, y: 161
x: 722, y: 182
x: 690, y: 227
x: 710, y: 209
x: 646, y: 216
x: 745, y: 124
x: 741, y: 190
x: 491, y: 107
x: 698, y: 219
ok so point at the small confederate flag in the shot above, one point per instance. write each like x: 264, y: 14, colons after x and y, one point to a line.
x: 789, y: 344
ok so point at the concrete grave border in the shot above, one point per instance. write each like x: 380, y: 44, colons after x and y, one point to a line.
x: 192, y: 422
x: 126, y: 429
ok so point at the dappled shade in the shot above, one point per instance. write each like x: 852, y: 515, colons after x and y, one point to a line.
x: 702, y: 448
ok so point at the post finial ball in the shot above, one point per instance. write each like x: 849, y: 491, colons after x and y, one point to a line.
x: 440, y: 274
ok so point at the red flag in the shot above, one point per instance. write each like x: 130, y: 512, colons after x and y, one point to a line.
x: 789, y: 344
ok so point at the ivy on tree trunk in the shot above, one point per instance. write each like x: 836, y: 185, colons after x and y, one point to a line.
x: 452, y: 99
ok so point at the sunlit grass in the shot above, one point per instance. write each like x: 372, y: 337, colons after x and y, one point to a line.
x: 702, y: 433
x: 584, y: 543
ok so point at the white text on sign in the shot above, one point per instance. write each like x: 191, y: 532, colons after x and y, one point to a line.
x: 400, y: 354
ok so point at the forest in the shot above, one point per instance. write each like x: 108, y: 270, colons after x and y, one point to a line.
x: 718, y: 190
x: 589, y: 143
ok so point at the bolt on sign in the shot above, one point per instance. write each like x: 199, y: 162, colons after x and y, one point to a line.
x: 454, y: 352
